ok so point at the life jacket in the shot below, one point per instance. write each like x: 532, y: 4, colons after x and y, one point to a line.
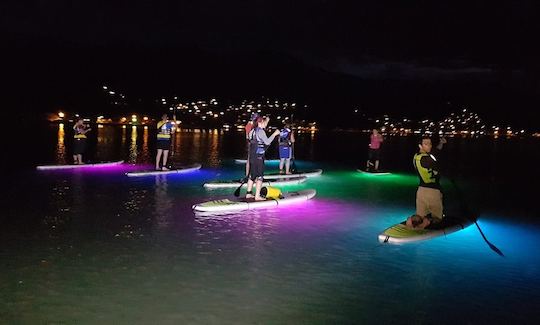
x: 164, y: 130
x: 78, y: 133
x: 428, y: 176
x: 256, y: 146
x: 285, y: 137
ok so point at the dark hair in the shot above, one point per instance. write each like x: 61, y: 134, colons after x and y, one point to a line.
x: 424, y: 137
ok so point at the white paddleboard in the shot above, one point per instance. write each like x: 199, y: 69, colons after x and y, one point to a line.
x: 178, y: 170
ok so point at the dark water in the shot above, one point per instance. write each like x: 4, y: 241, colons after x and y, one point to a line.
x: 95, y: 246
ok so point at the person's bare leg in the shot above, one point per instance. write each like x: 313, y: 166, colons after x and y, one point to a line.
x: 258, y: 186
x: 79, y: 156
x: 158, y: 158
x: 249, y: 195
x: 281, y: 162
x: 165, y: 156
x: 247, y: 167
x: 376, y: 165
x: 75, y: 160
x: 288, y: 166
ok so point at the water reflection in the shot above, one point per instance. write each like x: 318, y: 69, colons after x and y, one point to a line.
x: 133, y: 145
x: 60, y: 147
x: 163, y: 203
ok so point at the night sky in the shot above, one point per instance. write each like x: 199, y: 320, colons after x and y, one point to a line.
x: 403, y: 57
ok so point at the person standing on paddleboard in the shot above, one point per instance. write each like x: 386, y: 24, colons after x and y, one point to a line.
x: 258, y: 142
x: 249, y: 126
x: 374, y: 151
x: 165, y: 130
x: 428, y: 196
x: 286, y: 139
x: 79, y: 141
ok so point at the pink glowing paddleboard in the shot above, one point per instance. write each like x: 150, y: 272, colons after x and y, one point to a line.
x: 227, y: 205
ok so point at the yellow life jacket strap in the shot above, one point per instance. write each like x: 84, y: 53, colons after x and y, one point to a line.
x: 80, y: 136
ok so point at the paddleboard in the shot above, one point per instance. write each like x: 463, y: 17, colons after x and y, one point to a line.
x: 178, y: 170
x: 102, y: 164
x: 270, y: 182
x: 401, y: 234
x: 379, y: 173
x: 243, y: 161
x: 306, y: 173
x: 227, y: 205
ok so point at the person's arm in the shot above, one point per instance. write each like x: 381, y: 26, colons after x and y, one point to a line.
x: 292, y: 136
x: 267, y: 140
x: 441, y: 144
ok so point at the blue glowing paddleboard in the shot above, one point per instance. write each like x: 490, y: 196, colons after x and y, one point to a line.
x: 401, y: 234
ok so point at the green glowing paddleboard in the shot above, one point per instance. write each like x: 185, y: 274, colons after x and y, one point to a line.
x: 401, y: 234
x: 227, y: 205
x: 381, y: 172
x: 283, y: 181
x: 300, y: 173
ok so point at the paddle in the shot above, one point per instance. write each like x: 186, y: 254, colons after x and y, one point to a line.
x: 244, y: 180
x: 466, y: 209
x: 293, y: 164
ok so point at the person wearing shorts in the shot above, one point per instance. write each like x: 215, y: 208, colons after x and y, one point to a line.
x: 286, y: 139
x: 428, y: 196
x: 165, y: 130
x: 79, y: 141
x: 374, y: 150
x: 258, y: 142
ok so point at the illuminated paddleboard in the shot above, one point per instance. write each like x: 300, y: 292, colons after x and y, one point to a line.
x: 178, y: 170
x: 379, y: 173
x: 102, y: 164
x: 401, y: 234
x: 243, y: 161
x: 271, y: 182
x: 306, y: 173
x: 227, y: 205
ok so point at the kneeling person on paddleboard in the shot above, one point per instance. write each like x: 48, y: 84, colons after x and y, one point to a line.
x: 258, y: 141
x: 429, y: 195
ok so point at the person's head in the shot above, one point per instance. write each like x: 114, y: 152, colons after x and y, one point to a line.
x: 254, y: 117
x: 164, y: 117
x: 265, y: 121
x: 260, y: 121
x: 375, y: 131
x: 424, y: 144
x: 80, y: 121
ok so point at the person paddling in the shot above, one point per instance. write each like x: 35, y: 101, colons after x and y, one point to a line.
x: 79, y: 141
x: 249, y: 126
x: 374, y: 150
x: 286, y: 139
x: 429, y: 205
x: 258, y: 142
x: 164, y: 135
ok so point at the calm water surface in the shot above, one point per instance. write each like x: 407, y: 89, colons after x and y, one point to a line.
x: 94, y: 246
